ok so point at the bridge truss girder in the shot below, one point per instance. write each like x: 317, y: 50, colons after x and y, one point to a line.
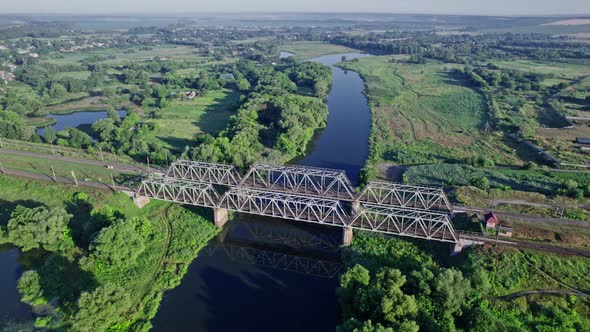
x: 199, y: 171
x: 409, y: 196
x: 286, y: 206
x: 414, y: 223
x: 179, y: 191
x: 313, y: 181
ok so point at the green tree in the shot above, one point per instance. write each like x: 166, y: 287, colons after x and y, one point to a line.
x: 451, y: 290
x: 113, y: 115
x: 79, y: 138
x: 480, y: 182
x: 397, y: 308
x: 117, y: 245
x: 108, y: 91
x: 243, y: 85
x: 29, y: 287
x: 40, y: 228
x: 57, y: 90
x: 100, y: 309
x: 355, y: 325
x: 350, y: 283
x: 49, y: 135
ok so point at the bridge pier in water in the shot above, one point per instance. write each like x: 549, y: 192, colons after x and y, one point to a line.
x: 220, y: 217
x: 347, y: 236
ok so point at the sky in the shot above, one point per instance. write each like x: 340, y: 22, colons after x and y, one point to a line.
x: 478, y: 7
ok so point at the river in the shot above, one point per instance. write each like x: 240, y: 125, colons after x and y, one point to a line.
x: 259, y: 274
x: 264, y: 274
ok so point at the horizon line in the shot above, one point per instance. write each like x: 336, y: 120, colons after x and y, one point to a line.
x: 180, y: 13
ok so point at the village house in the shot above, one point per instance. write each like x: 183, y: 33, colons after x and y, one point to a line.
x: 490, y: 220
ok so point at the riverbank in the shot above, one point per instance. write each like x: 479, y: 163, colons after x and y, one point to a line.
x: 170, y: 235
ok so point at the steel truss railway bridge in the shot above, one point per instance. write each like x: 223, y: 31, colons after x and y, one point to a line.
x: 306, y: 194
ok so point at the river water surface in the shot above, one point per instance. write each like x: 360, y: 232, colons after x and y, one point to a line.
x: 73, y: 120
x: 265, y: 274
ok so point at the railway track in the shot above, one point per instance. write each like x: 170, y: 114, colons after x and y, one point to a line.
x: 524, y: 245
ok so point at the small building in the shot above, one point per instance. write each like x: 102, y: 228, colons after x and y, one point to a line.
x: 505, y: 231
x: 490, y: 220
x: 191, y: 94
x: 583, y: 140
x: 226, y: 76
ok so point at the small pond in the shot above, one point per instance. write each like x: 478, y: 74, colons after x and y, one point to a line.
x: 73, y: 120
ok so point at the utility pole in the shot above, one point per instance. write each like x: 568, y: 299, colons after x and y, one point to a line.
x: 54, y: 177
x: 52, y: 149
x: 75, y: 180
x: 167, y: 159
x: 112, y: 179
x: 100, y: 150
x: 1, y: 168
x: 148, y: 162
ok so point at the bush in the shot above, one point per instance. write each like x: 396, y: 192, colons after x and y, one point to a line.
x: 81, y: 196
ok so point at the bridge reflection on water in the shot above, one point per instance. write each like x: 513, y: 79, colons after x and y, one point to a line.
x: 285, y: 246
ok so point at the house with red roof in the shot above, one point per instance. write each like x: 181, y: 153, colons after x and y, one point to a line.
x: 490, y: 220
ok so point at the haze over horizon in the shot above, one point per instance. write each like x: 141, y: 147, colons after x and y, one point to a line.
x: 458, y: 7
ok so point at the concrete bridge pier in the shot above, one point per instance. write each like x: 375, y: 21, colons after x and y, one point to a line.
x: 356, y: 207
x: 140, y: 201
x: 463, y: 244
x: 347, y: 236
x: 220, y: 217
x: 457, y: 248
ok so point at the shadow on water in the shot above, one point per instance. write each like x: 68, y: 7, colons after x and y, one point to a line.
x: 12, y: 311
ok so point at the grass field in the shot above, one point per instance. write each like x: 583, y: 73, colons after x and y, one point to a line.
x: 570, y: 70
x: 81, y: 75
x: 423, y: 114
x: 127, y: 55
x: 182, y: 120
x: 560, y: 143
x: 310, y: 50
x: 42, y: 166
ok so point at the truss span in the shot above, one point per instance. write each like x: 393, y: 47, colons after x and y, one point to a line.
x: 286, y: 206
x: 311, y: 181
x: 405, y: 222
x: 397, y: 194
x: 213, y: 173
x: 179, y: 191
